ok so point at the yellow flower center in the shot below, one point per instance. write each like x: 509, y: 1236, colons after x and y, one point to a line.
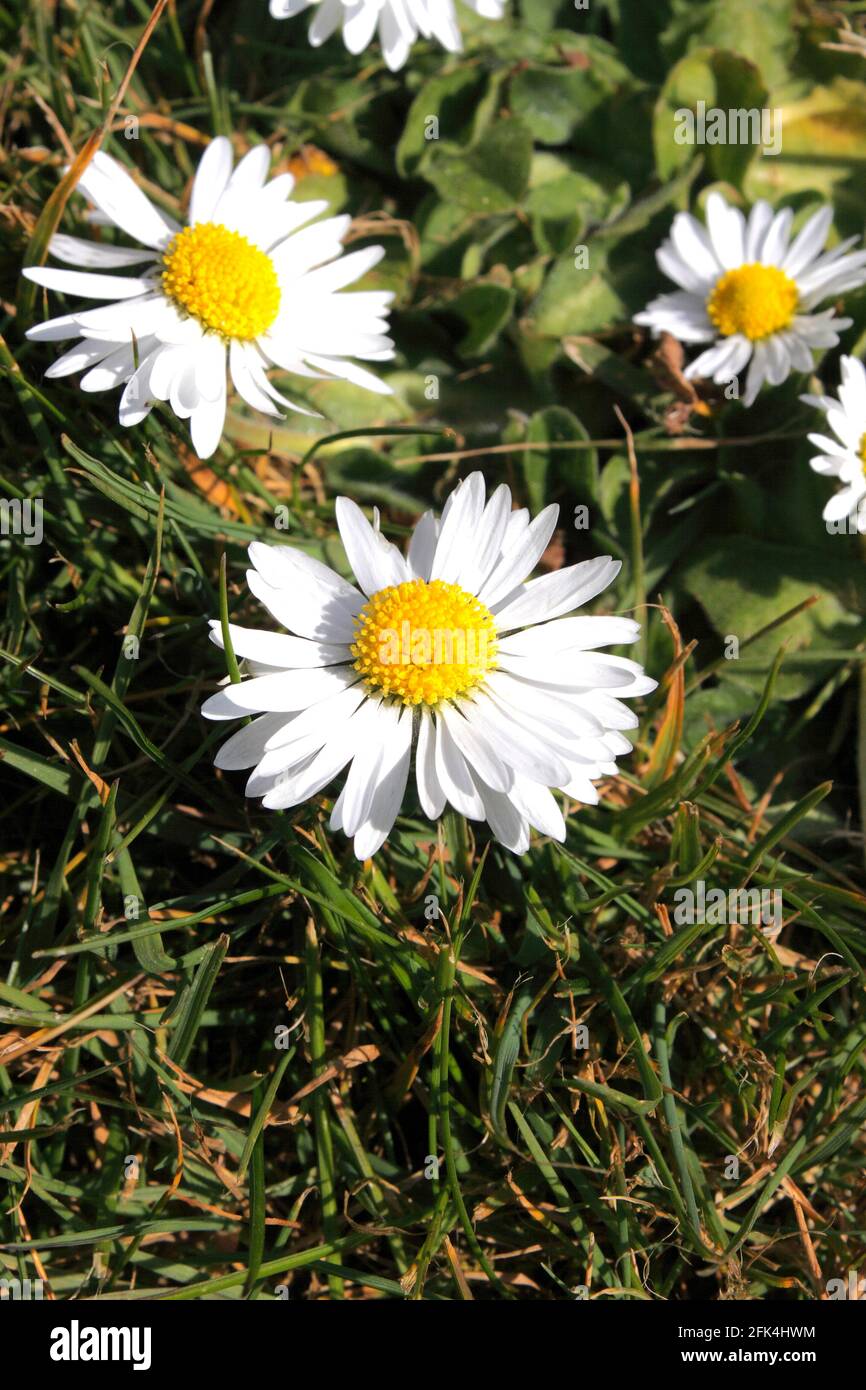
x: 862, y: 453
x: 755, y: 300
x: 423, y: 643
x: 223, y: 280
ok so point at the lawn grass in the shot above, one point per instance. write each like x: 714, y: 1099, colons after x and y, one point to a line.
x: 235, y: 1062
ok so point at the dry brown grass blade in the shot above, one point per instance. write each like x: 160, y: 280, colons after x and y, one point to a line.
x: 665, y: 750
x: 49, y: 218
x: 358, y: 1056
x: 27, y: 1116
x: 46, y: 1035
x: 457, y: 1270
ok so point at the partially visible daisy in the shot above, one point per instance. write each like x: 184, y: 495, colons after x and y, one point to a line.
x: 398, y: 22
x: 449, y: 650
x: 241, y: 285
x: 845, y: 456
x: 751, y: 291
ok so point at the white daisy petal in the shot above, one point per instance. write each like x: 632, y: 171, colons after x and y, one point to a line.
x: 307, y: 734
x: 325, y: 21
x: 528, y: 754
x: 274, y: 649
x: 481, y: 558
x: 430, y: 791
x: 695, y: 249
x: 376, y: 563
x: 517, y: 524
x: 844, y: 460
x: 246, y: 747
x: 496, y: 730
x: 506, y: 822
x: 320, y: 719
x: 282, y: 692
x: 555, y: 594
x: 759, y: 222
x: 242, y: 366
x: 757, y: 373
x: 78, y: 359
x: 683, y: 314
x: 285, y: 567
x: 675, y: 268
x: 398, y: 23
x: 539, y: 806
x: 476, y: 749
x: 380, y: 723
x: 775, y: 245
x: 758, y: 312
x: 458, y: 529
x: 521, y: 560
x: 122, y: 202
x: 531, y: 703
x: 390, y: 788
x: 306, y: 611
x: 242, y: 231
x: 85, y: 284
x: 211, y: 177
x: 95, y: 255
x: 454, y: 776
x: 582, y: 634
x: 422, y: 546
x: 208, y: 416
x: 54, y: 330
x: 117, y: 367
x: 313, y: 776
x: 841, y: 505
x: 137, y: 399
x: 727, y: 230
x: 808, y: 242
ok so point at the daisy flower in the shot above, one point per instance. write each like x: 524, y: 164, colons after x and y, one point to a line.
x: 399, y: 22
x: 845, y: 456
x: 451, y: 651
x: 245, y: 284
x: 752, y: 292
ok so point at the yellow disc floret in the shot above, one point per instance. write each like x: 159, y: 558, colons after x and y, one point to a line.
x: 424, y: 642
x: 862, y: 453
x: 755, y: 300
x: 223, y: 280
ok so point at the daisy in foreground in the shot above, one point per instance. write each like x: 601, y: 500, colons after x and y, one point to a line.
x: 399, y: 22
x: 246, y: 283
x: 845, y: 456
x: 449, y: 650
x: 752, y: 292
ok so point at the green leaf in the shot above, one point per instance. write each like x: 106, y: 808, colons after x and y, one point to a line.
x: 722, y: 82
x: 187, y: 1016
x: 485, y: 308
x: 577, y: 469
x: 490, y: 177
x: 553, y: 101
x: 764, y: 33
x: 451, y: 108
x: 58, y: 779
x: 742, y: 586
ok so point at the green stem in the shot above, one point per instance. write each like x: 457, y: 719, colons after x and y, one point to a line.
x: 445, y: 973
x: 321, y: 1113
